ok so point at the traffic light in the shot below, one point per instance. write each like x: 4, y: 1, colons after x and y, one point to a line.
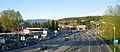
x: 101, y: 31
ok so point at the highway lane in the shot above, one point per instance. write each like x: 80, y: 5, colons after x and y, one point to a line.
x: 92, y: 44
x: 62, y: 43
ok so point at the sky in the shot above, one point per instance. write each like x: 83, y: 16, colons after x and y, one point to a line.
x: 56, y: 9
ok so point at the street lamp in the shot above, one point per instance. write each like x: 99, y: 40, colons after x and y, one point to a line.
x: 114, y: 32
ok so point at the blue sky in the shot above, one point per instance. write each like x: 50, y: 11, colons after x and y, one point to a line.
x: 55, y: 9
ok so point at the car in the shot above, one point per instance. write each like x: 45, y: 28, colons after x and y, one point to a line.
x: 42, y: 48
x: 65, y: 35
x: 66, y: 39
x: 10, y: 45
x: 23, y: 44
x: 31, y: 41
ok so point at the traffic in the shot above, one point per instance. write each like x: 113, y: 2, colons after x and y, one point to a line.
x: 24, y: 38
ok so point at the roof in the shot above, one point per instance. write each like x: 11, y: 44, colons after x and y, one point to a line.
x: 6, y: 33
x: 36, y: 28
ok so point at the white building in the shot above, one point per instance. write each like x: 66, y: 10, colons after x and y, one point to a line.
x: 83, y: 27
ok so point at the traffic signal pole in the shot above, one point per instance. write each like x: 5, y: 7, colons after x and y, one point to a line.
x: 114, y: 34
x: 114, y: 39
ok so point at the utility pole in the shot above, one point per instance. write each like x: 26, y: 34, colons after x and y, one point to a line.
x: 114, y: 30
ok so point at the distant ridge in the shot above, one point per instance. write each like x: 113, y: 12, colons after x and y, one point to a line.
x: 37, y: 20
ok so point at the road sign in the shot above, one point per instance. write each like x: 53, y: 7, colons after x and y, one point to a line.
x: 115, y: 41
x: 44, y: 32
x: 22, y: 37
x: 55, y: 31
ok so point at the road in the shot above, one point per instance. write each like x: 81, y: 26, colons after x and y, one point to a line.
x: 91, y: 43
x: 83, y: 42
x: 52, y: 44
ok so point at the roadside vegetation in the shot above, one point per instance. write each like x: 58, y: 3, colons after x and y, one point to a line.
x: 111, y: 19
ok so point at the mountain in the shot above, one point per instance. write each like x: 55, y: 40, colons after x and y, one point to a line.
x: 37, y: 20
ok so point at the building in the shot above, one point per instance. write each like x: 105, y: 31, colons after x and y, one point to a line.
x: 81, y: 27
x: 36, y: 32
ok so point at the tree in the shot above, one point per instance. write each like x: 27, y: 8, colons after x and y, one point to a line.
x: 56, y: 25
x: 26, y: 24
x: 49, y: 25
x: 113, y: 17
x: 10, y: 19
x: 53, y: 25
x: 114, y: 11
x: 0, y: 25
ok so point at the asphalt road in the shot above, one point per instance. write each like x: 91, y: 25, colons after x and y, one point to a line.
x: 91, y: 43
x: 83, y: 42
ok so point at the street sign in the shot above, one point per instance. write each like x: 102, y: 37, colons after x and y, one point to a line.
x: 44, y: 32
x: 36, y: 36
x: 115, y: 41
x: 26, y: 31
x: 22, y: 37
x: 55, y: 31
x: 58, y: 28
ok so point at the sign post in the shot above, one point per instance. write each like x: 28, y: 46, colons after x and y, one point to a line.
x: 115, y: 42
x: 55, y: 32
x: 44, y: 34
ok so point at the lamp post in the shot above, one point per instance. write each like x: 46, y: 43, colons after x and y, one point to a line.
x: 114, y: 32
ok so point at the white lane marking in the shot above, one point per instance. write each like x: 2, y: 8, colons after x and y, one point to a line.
x: 89, y: 43
x: 80, y: 49
x: 81, y: 44
x: 97, y: 43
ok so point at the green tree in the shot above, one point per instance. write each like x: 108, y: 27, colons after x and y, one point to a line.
x: 56, y: 25
x: 26, y: 24
x: 113, y: 17
x: 53, y: 25
x: 0, y: 25
x: 49, y: 25
x: 10, y: 19
x: 114, y: 11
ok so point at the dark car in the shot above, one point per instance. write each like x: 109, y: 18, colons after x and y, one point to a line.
x: 23, y: 44
x: 9, y: 45
x: 66, y: 39
x: 42, y: 48
x: 31, y: 41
